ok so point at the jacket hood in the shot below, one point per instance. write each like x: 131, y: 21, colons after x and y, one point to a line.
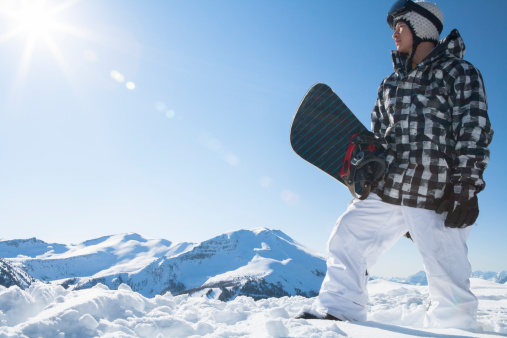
x: 452, y: 46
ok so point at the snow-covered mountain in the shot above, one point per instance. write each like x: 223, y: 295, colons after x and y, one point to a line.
x: 11, y: 275
x: 260, y: 263
x: 31, y: 247
x: 421, y: 279
x: 123, y: 253
x: 418, y: 278
x: 498, y: 277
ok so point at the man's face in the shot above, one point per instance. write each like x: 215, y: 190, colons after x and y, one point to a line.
x: 403, y: 38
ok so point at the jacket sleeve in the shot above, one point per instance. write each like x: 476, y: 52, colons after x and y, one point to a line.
x: 472, y: 132
x: 379, y: 117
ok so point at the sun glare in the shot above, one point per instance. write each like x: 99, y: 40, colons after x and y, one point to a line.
x: 34, y: 21
x: 34, y: 18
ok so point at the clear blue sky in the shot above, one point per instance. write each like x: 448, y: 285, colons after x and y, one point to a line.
x: 171, y: 118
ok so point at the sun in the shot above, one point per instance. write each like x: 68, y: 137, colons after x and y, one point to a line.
x: 32, y: 18
x: 36, y: 21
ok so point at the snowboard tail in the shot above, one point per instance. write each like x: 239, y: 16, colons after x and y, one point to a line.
x: 322, y: 128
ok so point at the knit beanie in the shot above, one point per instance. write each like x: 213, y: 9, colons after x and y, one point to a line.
x: 420, y: 25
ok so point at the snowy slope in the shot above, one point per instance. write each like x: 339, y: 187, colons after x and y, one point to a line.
x: 31, y: 247
x: 395, y: 310
x: 260, y: 263
x: 123, y: 253
x: 418, y: 278
x: 421, y: 279
x: 11, y: 275
x: 498, y: 277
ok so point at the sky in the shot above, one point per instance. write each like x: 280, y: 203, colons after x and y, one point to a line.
x: 171, y: 118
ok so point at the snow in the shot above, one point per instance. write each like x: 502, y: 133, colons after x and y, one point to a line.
x: 115, y: 286
x: 105, y: 256
x: 245, y: 259
x: 264, y: 247
x: 396, y: 310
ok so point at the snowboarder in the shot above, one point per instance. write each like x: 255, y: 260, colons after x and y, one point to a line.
x: 431, y: 118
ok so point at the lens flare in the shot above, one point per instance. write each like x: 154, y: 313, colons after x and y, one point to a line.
x: 290, y: 197
x: 130, y: 85
x: 117, y: 76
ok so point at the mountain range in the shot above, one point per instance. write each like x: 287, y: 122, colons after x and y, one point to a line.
x: 259, y: 263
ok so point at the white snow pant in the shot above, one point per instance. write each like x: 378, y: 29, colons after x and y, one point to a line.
x: 368, y: 229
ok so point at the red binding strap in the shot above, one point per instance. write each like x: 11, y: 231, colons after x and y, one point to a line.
x: 346, y: 160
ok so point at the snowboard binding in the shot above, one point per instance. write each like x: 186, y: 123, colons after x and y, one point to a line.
x: 362, y: 165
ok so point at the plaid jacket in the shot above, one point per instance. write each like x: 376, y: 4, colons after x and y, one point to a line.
x: 435, y: 121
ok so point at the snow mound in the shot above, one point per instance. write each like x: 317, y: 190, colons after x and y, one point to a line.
x: 396, y: 310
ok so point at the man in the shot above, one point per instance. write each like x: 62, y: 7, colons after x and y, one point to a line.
x: 431, y: 117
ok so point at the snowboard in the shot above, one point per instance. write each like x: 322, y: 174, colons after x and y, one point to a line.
x: 321, y: 131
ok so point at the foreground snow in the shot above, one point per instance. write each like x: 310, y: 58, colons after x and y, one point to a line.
x: 395, y: 311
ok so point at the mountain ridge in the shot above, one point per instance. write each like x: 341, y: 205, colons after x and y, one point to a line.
x: 259, y: 262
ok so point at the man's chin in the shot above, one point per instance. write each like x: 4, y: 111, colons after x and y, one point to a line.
x: 403, y: 50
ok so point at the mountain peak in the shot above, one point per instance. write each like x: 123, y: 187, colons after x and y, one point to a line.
x: 31, y: 247
x: 247, y: 232
x: 257, y: 233
x: 128, y: 236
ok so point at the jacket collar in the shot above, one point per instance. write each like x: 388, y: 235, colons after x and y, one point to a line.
x: 452, y: 46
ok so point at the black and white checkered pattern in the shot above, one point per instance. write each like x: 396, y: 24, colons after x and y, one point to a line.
x: 435, y: 121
